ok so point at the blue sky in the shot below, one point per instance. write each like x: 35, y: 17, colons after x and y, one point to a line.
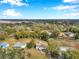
x: 39, y: 9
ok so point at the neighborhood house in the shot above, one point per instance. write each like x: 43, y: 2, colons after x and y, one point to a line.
x: 63, y: 49
x: 40, y: 47
x: 19, y: 45
x: 4, y: 45
x: 69, y: 34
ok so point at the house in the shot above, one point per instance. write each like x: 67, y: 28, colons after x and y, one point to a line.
x: 63, y: 48
x: 40, y: 47
x: 19, y: 45
x: 4, y: 45
x: 69, y: 34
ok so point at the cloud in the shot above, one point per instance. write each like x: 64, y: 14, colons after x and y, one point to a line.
x: 63, y: 7
x: 15, y: 2
x: 77, y: 1
x: 11, y: 12
x: 72, y: 14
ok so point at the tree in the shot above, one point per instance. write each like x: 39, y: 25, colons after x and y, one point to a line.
x: 77, y: 36
x: 34, y: 35
x: 44, y: 36
x: 54, y: 34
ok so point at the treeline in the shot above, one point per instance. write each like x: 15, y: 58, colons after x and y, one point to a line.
x: 43, y: 36
x: 37, y: 27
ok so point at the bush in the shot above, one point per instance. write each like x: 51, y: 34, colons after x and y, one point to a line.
x: 31, y: 44
x: 44, y: 36
x: 77, y: 36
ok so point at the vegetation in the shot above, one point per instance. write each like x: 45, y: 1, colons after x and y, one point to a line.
x: 44, y: 36
x: 11, y: 54
x: 30, y: 44
x: 77, y: 36
x: 48, y: 32
x: 70, y: 55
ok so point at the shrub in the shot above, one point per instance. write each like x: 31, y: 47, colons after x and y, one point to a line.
x: 44, y: 36
x: 30, y: 44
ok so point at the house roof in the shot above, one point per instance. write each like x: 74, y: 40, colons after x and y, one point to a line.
x: 19, y: 44
x: 70, y: 34
x: 4, y: 45
x: 40, y: 45
x: 63, y: 48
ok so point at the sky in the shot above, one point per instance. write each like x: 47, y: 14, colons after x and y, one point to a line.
x: 39, y: 9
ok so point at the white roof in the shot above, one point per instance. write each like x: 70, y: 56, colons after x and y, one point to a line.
x: 19, y: 45
x: 70, y: 34
x: 64, y: 48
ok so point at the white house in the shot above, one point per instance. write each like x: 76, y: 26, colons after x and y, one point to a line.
x: 63, y: 48
x: 19, y: 45
x: 70, y: 34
